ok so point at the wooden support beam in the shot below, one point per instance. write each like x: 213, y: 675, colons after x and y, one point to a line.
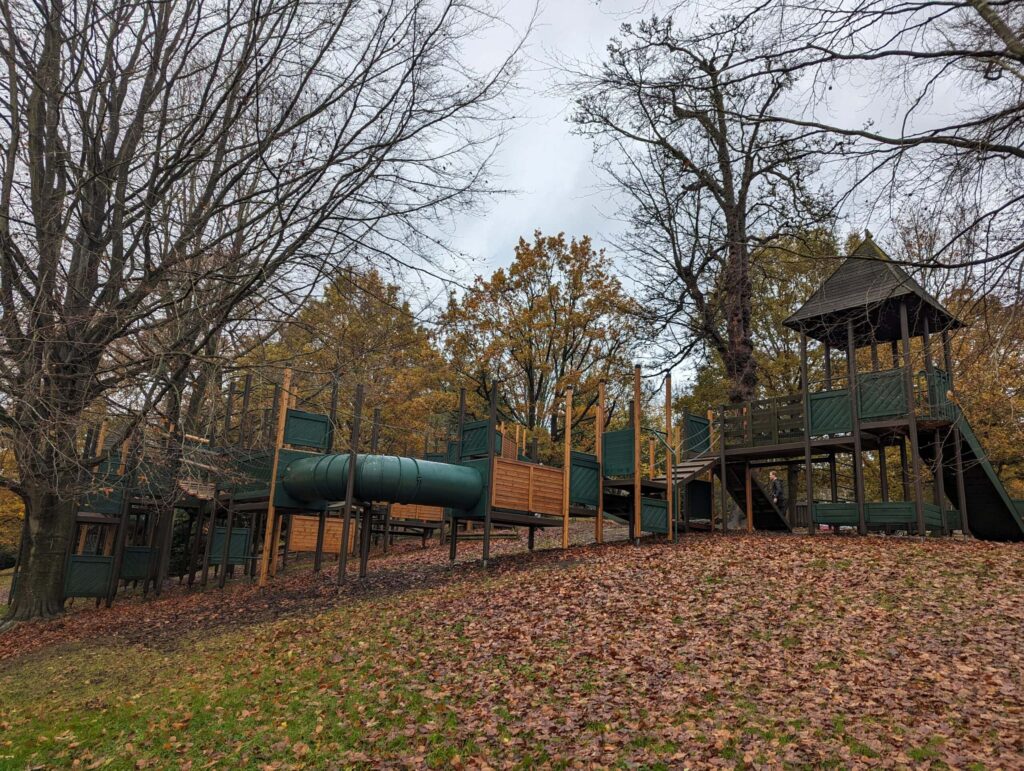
x: 858, y: 459
x: 940, y: 482
x: 637, y: 489
x: 567, y: 467
x: 452, y: 522
x: 915, y: 451
x: 492, y: 422
x: 669, y: 481
x: 806, y: 388
x: 723, y: 491
x: 749, y: 482
x: 225, y: 551
x: 350, y: 485
x: 599, y: 450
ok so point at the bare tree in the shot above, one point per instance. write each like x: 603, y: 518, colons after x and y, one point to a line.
x: 172, y: 169
x: 947, y: 134
x: 681, y: 131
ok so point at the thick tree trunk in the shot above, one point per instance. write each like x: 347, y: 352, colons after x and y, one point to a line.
x: 40, y: 589
x: 740, y: 365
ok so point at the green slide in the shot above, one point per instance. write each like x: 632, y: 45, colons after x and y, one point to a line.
x: 384, y: 478
x: 991, y: 513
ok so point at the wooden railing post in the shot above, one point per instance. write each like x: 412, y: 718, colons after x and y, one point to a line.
x: 268, y: 535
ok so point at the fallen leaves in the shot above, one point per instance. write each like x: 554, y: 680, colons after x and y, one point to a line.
x: 757, y: 651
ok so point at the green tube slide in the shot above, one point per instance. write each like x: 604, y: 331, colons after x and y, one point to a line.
x: 385, y: 478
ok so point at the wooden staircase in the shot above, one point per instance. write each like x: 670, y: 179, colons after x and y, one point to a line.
x: 767, y: 516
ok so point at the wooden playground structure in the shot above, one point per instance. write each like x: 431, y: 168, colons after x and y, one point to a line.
x: 266, y: 484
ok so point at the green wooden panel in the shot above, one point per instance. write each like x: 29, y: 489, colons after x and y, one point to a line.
x: 698, y: 499
x: 584, y: 479
x: 617, y: 448
x: 698, y: 434
x: 436, y: 457
x: 881, y: 395
x: 933, y: 517
x: 307, y: 429
x: 107, y: 501
x: 890, y: 512
x: 830, y: 413
x: 88, y: 576
x: 237, y: 551
x: 939, y: 384
x: 836, y: 513
x: 137, y: 563
x: 474, y: 439
x: 653, y: 515
x: 483, y: 466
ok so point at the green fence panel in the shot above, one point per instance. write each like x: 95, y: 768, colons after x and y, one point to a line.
x: 474, y: 439
x: 933, y: 517
x: 881, y: 395
x: 889, y: 512
x: 698, y: 434
x: 836, y: 513
x: 617, y: 448
x: 88, y: 576
x: 436, y: 457
x: 654, y: 515
x: 237, y: 551
x: 584, y: 480
x: 307, y: 429
x: 137, y: 563
x: 939, y: 385
x: 830, y: 413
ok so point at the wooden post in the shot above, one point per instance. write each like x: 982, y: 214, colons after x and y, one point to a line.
x: 350, y: 486
x: 722, y: 490
x: 492, y: 422
x: 205, y: 574
x: 128, y: 482
x: 947, y: 357
x: 806, y: 385
x: 828, y: 367
x: 567, y: 468
x: 915, y: 452
x: 226, y: 550
x: 748, y: 480
x: 858, y: 460
x: 268, y: 536
x: 669, y: 481
x: 599, y: 450
x: 637, y: 489
x: 453, y: 524
x: 940, y: 481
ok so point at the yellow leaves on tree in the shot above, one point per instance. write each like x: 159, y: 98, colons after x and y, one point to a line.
x: 557, y: 317
x: 363, y: 331
x: 988, y: 372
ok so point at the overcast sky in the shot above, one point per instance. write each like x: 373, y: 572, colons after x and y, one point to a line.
x: 557, y: 187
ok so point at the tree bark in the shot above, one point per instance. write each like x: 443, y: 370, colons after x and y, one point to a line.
x: 40, y: 589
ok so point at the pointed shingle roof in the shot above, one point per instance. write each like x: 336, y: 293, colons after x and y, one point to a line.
x: 868, y: 288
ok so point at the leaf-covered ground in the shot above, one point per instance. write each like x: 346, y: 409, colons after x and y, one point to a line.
x: 730, y: 651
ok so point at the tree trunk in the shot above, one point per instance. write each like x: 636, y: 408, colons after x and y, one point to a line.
x: 740, y: 365
x: 40, y: 589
